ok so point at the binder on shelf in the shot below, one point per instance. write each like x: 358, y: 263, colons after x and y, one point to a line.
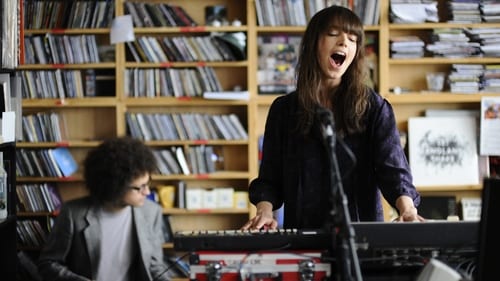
x: 16, y: 104
x: 194, y: 198
x: 181, y: 158
x: 5, y: 103
x: 65, y: 161
x: 209, y: 198
x: 181, y: 195
x: 241, y: 199
x: 227, y: 95
x: 225, y: 197
x: 471, y: 208
x: 166, y: 193
x: 10, y: 34
x: 10, y: 106
x: 8, y: 127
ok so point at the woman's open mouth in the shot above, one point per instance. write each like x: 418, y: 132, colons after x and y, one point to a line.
x: 338, y: 58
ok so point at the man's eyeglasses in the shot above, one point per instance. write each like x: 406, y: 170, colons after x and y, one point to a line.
x: 141, y: 187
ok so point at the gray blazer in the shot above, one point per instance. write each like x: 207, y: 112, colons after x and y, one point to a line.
x: 72, y: 248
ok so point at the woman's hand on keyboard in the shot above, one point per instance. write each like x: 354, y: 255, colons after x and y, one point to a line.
x: 263, y: 219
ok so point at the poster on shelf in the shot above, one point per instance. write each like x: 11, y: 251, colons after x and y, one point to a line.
x: 8, y: 126
x: 443, y: 150
x: 122, y: 30
x: 490, y: 126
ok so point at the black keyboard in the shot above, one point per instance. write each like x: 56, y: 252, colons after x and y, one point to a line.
x: 227, y: 240
x: 372, y: 235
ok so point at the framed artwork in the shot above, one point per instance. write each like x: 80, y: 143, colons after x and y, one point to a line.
x: 443, y: 150
x: 490, y: 126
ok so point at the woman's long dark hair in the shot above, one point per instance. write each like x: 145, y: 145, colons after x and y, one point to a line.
x: 351, y: 98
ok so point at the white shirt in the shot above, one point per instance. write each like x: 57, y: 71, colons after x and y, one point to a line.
x: 117, y: 247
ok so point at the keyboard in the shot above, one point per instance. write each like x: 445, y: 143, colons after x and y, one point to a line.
x: 439, y: 234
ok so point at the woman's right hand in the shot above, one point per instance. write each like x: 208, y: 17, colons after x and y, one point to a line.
x: 264, y: 218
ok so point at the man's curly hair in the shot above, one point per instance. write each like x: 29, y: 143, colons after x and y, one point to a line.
x: 110, y: 168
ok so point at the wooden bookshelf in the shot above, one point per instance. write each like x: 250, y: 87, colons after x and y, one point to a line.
x: 90, y: 119
x: 410, y: 73
x: 405, y: 73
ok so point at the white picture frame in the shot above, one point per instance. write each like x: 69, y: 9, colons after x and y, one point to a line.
x: 443, y: 150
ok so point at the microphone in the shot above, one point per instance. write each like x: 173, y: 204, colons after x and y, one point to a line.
x: 325, y: 118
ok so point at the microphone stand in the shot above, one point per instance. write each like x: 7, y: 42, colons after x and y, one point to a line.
x: 348, y: 268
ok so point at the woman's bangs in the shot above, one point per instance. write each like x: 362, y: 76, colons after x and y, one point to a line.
x: 348, y: 24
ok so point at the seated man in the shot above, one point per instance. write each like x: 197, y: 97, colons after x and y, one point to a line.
x: 114, y: 233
